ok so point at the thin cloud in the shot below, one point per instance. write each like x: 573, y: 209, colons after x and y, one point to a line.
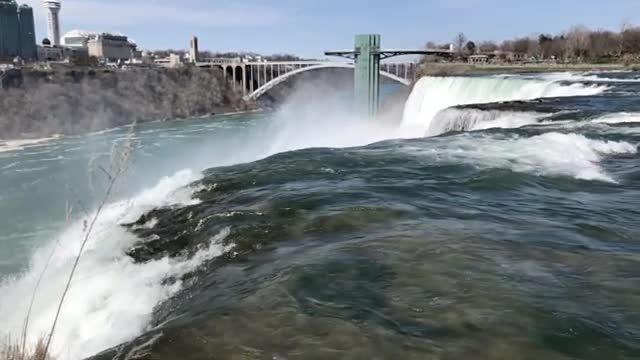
x: 110, y: 14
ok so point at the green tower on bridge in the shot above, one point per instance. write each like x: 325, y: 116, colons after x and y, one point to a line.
x: 367, y: 74
x: 367, y: 55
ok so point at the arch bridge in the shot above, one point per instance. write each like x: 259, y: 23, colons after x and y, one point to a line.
x: 257, y: 78
x: 367, y: 58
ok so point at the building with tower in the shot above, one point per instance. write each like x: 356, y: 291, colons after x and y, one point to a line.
x: 53, y: 20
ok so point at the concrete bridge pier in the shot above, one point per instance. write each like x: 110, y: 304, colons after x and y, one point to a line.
x: 236, y: 73
x: 367, y: 55
x: 367, y: 74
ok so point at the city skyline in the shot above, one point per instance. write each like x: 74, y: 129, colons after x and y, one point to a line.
x: 307, y: 28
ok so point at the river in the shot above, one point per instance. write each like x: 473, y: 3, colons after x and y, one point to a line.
x: 498, y: 219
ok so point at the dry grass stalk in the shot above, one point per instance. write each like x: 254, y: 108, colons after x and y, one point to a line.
x: 119, y: 164
x: 10, y: 350
x: 120, y: 160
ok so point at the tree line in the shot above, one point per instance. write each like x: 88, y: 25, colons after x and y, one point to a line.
x: 227, y: 55
x: 578, y: 44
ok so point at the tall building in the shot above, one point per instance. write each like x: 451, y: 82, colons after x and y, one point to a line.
x: 193, y: 50
x: 17, y: 31
x: 27, y: 33
x: 9, y: 30
x: 53, y: 20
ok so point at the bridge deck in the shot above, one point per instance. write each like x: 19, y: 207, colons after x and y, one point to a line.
x: 254, y: 78
x: 350, y: 54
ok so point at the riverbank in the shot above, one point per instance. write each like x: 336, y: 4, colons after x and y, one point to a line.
x: 443, y: 69
x: 76, y: 101
x: 18, y: 144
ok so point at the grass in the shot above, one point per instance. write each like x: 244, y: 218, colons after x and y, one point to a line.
x: 11, y: 349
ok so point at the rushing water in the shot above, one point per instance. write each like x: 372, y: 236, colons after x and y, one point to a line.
x: 497, y: 220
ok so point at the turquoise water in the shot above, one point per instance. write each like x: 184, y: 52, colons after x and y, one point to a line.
x: 63, y: 173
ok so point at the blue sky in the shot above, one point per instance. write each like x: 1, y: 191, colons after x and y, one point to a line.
x: 308, y: 27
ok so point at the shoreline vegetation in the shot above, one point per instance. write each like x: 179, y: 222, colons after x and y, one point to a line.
x: 578, y: 45
x: 577, y: 49
x: 446, y: 69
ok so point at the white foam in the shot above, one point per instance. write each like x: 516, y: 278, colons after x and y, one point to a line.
x: 618, y: 118
x: 554, y: 154
x: 454, y: 119
x: 14, y: 145
x: 433, y: 94
x: 583, y: 77
x: 111, y: 299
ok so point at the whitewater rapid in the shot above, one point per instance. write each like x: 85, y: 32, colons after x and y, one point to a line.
x: 431, y: 95
x: 550, y: 154
x: 112, y: 298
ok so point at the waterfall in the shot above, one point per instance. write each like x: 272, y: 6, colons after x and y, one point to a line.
x: 431, y: 95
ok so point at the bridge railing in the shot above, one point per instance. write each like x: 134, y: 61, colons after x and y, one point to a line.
x: 254, y: 78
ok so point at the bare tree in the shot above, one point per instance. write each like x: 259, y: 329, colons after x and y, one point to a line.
x: 488, y: 47
x: 578, y: 42
x: 534, y: 49
x: 460, y: 41
x: 283, y: 57
x: 545, y: 42
x: 626, y: 24
x: 631, y: 41
x: 507, y: 46
x: 604, y: 44
x: 557, y: 48
x: 205, y: 54
x: 521, y: 46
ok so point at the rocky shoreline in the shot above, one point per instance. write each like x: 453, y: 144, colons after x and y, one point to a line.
x: 81, y: 101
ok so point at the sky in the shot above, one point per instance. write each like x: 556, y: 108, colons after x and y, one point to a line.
x: 309, y: 27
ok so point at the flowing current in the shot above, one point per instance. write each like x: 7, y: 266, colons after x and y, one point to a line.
x: 496, y: 205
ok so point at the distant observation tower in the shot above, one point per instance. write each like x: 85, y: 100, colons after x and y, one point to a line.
x: 53, y: 7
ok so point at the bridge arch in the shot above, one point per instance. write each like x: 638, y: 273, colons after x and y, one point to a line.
x: 284, y: 77
x: 238, y: 76
x: 229, y: 73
